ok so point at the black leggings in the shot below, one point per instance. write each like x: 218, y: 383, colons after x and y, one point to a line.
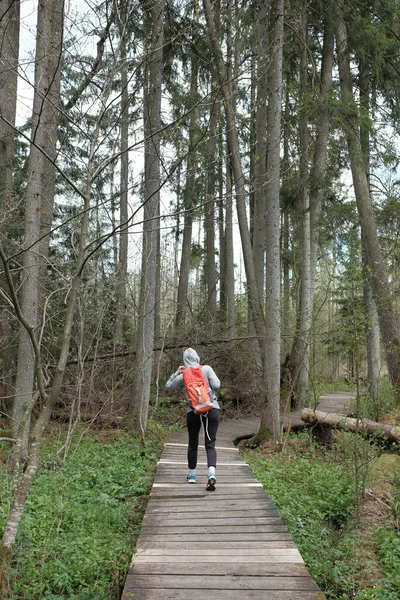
x: 210, y: 424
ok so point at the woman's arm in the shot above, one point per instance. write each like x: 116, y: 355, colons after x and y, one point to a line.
x: 175, y: 382
x: 213, y: 380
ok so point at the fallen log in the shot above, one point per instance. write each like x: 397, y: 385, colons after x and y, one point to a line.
x: 391, y: 432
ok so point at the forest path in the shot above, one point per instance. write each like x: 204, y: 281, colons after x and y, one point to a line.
x: 230, y: 543
x: 336, y: 402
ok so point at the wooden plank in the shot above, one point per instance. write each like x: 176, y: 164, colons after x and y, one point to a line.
x: 189, y: 523
x: 222, y: 568
x: 221, y: 537
x: 222, y: 479
x: 189, y: 512
x: 187, y: 505
x: 199, y: 491
x: 231, y: 463
x: 187, y: 495
x: 218, y: 447
x: 185, y: 489
x: 233, y: 474
x: 205, y: 530
x: 260, y: 558
x: 201, y: 594
x: 213, y: 553
x: 232, y: 471
x: 234, y: 487
x: 205, y: 545
x: 226, y: 582
x: 222, y: 456
x: 216, y: 513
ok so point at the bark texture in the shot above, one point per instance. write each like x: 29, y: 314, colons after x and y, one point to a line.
x: 371, y: 313
x: 229, y: 259
x: 260, y: 162
x: 122, y: 272
x: 9, y: 48
x: 305, y: 286
x: 270, y: 412
x: 152, y: 125
x: 373, y: 254
x: 308, y: 415
x: 39, y: 200
x: 189, y: 203
x: 209, y: 215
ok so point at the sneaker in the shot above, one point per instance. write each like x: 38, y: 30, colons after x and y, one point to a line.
x: 191, y: 478
x: 210, y: 487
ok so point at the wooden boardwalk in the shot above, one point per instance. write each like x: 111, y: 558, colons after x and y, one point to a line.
x: 236, y: 548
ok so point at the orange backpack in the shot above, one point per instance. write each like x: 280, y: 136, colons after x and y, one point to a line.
x: 197, y: 390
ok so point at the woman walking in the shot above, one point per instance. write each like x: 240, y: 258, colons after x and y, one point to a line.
x: 195, y: 418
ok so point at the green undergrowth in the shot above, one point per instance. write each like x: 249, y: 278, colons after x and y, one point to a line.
x: 314, y: 492
x: 83, y: 516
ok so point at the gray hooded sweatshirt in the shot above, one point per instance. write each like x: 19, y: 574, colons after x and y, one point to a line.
x: 192, y: 359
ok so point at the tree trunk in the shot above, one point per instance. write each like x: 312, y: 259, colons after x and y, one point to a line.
x: 152, y: 125
x: 373, y: 254
x: 362, y: 425
x: 209, y: 218
x: 38, y: 204
x: 373, y: 343
x: 260, y: 163
x: 270, y: 412
x: 318, y: 185
x: 9, y: 40
x: 286, y: 327
x: 176, y: 236
x: 371, y: 313
x: 252, y: 138
x: 122, y: 272
x: 229, y: 259
x: 305, y: 286
x: 189, y: 203
x: 221, y: 228
x: 318, y: 171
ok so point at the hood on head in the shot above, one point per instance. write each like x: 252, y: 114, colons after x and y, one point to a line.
x: 191, y: 358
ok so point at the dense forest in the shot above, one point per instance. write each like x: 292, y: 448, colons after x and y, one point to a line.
x: 216, y: 174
